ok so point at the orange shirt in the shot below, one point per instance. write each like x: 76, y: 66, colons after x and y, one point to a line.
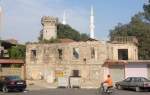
x: 108, y: 81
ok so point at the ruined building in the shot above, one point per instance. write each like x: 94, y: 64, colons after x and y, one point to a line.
x: 82, y: 61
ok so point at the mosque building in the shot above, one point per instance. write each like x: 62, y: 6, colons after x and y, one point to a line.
x: 83, y: 64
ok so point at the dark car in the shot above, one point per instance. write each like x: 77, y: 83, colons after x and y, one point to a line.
x: 136, y: 83
x: 8, y: 83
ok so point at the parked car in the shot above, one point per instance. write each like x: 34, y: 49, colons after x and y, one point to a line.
x: 136, y: 83
x: 8, y: 83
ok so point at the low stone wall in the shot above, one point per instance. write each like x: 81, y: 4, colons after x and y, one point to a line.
x: 12, y: 71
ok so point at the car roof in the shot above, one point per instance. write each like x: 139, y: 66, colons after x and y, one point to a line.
x: 135, y: 77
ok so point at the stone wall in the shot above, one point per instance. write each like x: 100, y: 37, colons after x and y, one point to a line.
x: 48, y: 64
x: 51, y: 61
x: 12, y: 71
x: 113, y: 51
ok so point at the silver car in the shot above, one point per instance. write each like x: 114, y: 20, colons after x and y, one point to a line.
x: 136, y: 83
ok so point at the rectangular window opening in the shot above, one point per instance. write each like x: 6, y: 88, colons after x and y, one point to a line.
x: 76, y: 54
x: 60, y: 53
x: 92, y: 53
x: 33, y: 53
x: 123, y: 54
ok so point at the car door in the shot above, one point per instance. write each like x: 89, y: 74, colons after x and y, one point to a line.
x: 133, y: 82
x: 125, y: 83
x: 142, y: 80
x: 136, y: 82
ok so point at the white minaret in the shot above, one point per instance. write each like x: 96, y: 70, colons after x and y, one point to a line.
x: 0, y: 10
x: 64, y: 18
x: 1, y: 19
x: 92, y: 26
x: 0, y: 16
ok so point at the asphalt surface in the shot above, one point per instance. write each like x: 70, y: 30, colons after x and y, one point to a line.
x: 63, y: 91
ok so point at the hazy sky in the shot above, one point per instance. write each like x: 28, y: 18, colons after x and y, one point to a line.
x: 21, y: 18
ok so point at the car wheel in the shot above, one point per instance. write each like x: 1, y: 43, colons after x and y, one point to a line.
x: 119, y: 87
x: 21, y: 90
x: 5, y: 89
x: 137, y: 89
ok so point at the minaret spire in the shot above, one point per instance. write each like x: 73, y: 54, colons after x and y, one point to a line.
x: 1, y: 20
x: 92, y: 26
x: 64, y: 18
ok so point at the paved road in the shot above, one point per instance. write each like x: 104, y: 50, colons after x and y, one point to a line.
x: 72, y: 92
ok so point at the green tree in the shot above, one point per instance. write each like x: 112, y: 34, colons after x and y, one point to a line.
x: 17, y: 52
x: 146, y: 8
x: 65, y: 31
x: 40, y: 38
x: 52, y: 40
x: 138, y: 27
x: 84, y: 37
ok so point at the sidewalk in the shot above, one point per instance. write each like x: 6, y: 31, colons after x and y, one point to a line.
x: 39, y: 85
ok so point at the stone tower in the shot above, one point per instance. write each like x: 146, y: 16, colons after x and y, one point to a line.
x: 49, y: 27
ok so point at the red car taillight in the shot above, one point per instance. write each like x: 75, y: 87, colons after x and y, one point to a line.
x: 146, y: 85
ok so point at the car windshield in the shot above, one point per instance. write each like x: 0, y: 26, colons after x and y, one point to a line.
x: 128, y: 79
x: 13, y: 78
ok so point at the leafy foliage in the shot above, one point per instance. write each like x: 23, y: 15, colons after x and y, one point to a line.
x: 146, y: 8
x: 84, y: 37
x: 17, y: 52
x: 65, y: 31
x: 52, y: 40
x: 40, y: 38
x: 139, y: 26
